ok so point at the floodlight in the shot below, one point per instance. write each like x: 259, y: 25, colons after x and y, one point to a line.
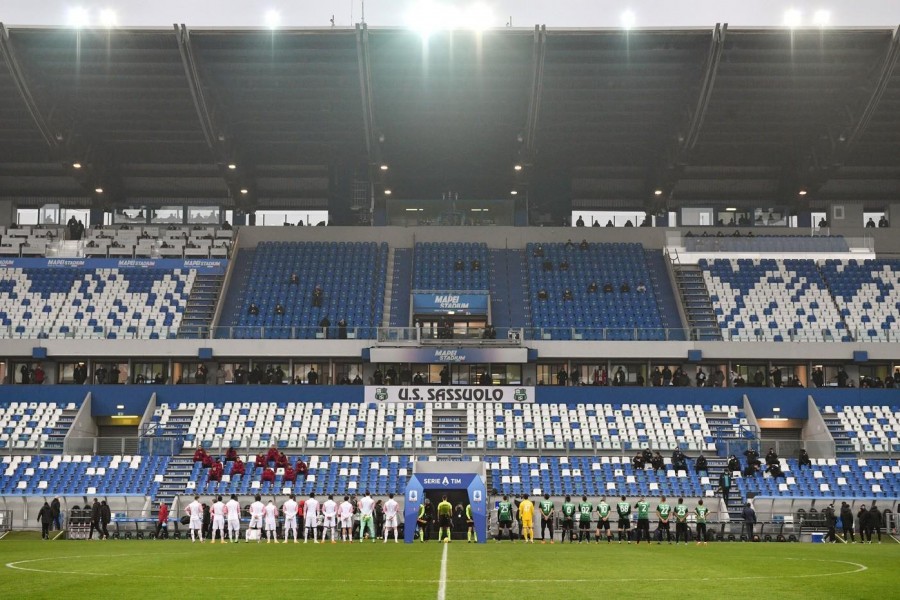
x: 518, y: 167
x: 245, y: 191
x: 802, y: 192
x: 628, y: 19
x: 513, y: 193
x: 657, y: 192
x: 99, y: 190
x: 383, y: 167
x: 821, y: 18
x: 232, y: 166
x: 108, y: 18
x: 793, y: 17
x: 76, y: 165
x: 273, y: 18
x: 477, y: 17
x: 387, y: 192
x: 79, y: 17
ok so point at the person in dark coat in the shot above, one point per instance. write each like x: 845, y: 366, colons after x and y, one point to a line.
x: 830, y: 522
x: 95, y: 520
x: 55, y: 513
x: 105, y: 518
x: 863, y: 516
x: 847, y: 522
x: 725, y: 485
x: 45, y: 517
x: 804, y: 459
x: 749, y: 516
x: 874, y: 523
x: 700, y: 465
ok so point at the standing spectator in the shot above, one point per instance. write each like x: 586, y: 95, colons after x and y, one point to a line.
x: 776, y: 377
x: 56, y: 514
x: 847, y: 522
x: 667, y: 376
x: 45, y: 518
x: 95, y: 520
x: 162, y: 521
x: 325, y: 323
x: 818, y: 377
x: 874, y: 523
x: 445, y: 375
x: 619, y: 377
x: 342, y: 329
x: 312, y: 378
x: 725, y: 485
x: 562, y: 376
x: 863, y: 516
x: 38, y: 374
x: 842, y: 377
x: 700, y: 378
x: 749, y: 516
x: 220, y: 375
x: 105, y: 518
x: 830, y: 522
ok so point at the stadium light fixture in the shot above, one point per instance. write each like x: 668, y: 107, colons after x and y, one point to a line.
x: 273, y: 19
x: 245, y: 191
x: 99, y: 190
x: 383, y: 167
x: 108, y: 18
x: 628, y: 19
x: 513, y: 193
x: 821, y: 18
x: 657, y: 192
x: 518, y: 167
x: 802, y: 192
x: 731, y: 209
x: 388, y: 192
x: 793, y: 17
x: 76, y: 165
x: 79, y: 17
x: 429, y: 16
x: 232, y: 166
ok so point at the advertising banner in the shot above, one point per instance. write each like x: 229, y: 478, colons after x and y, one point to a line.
x: 444, y: 393
x: 440, y: 303
x: 448, y: 355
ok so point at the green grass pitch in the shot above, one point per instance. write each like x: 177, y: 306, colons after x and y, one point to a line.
x: 135, y: 569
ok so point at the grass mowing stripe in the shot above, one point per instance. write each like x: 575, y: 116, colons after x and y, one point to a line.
x: 442, y: 582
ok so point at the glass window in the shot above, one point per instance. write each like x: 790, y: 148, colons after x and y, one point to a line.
x: 72, y: 372
x: 610, y: 218
x: 349, y: 373
x: 281, y: 218
x: 133, y: 215
x: 150, y: 372
x: 167, y: 215
x: 109, y: 372
x: 303, y: 373
x: 27, y: 216
x: 203, y: 215
x: 553, y: 374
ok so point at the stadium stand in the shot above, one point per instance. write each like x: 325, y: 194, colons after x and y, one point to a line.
x: 867, y: 294
x: 867, y: 428
x: 351, y: 275
x: 772, y: 300
x: 435, y: 266
x: 93, y: 303
x: 34, y: 425
x: 42, y: 475
x: 158, y: 242
x: 619, y: 314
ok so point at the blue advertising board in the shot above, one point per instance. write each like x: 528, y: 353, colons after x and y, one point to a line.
x: 445, y: 303
x: 419, y: 483
x: 448, y: 355
x: 204, y: 266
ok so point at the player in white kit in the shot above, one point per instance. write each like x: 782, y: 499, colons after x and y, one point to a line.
x: 256, y: 518
x: 218, y: 520
x: 271, y: 520
x: 311, y: 518
x: 329, y: 523
x: 390, y: 517
x: 233, y: 514
x: 195, y: 512
x: 289, y: 508
x: 345, y: 513
x: 366, y: 520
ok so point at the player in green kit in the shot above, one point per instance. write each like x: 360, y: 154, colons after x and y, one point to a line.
x: 585, y: 509
x: 701, y: 512
x: 568, y: 512
x: 663, y: 512
x: 643, y: 520
x: 681, y: 530
x: 471, y: 536
x: 546, y: 508
x: 624, y: 510
x: 504, y: 519
x: 603, y: 520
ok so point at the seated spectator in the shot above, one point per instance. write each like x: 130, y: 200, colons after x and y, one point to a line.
x: 295, y: 279
x: 592, y: 287
x: 230, y: 455
x: 610, y: 223
x: 607, y: 288
x: 260, y: 460
x: 253, y: 310
x: 489, y: 332
x: 567, y: 295
x: 628, y: 223
x: 870, y: 222
x: 268, y: 475
x: 226, y: 226
x: 272, y: 455
x: 751, y: 471
x: 302, y: 469
x: 883, y: 222
x: 564, y: 265
x: 282, y: 461
x: 752, y: 457
x: 679, y: 460
x: 317, y: 296
x: 771, y: 457
x: 215, y: 472
x: 208, y: 461
x: 584, y: 245
x: 657, y: 461
x: 637, y: 462
x: 736, y: 233
x: 595, y: 223
x: 538, y: 251
x: 774, y: 471
x: 733, y: 464
x: 625, y: 288
x: 641, y: 288
x: 542, y: 294
x: 476, y: 264
x: 200, y: 454
x: 579, y: 222
x: 458, y: 265
x: 647, y: 455
x: 289, y: 474
x: 548, y: 265
x: 237, y: 467
x: 700, y: 466
x: 823, y: 223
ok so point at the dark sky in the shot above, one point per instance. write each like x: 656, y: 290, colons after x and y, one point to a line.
x: 524, y: 13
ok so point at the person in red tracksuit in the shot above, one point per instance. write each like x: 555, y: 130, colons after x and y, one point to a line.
x: 215, y: 472
x: 162, y: 521
x: 289, y: 474
x: 268, y: 475
x: 237, y: 467
x: 260, y: 460
x: 272, y: 455
x: 199, y: 454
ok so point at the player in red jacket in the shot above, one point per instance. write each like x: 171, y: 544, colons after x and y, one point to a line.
x: 268, y: 475
x: 260, y: 460
x: 289, y: 474
x: 162, y: 521
x: 200, y: 454
x: 272, y: 454
x: 237, y: 467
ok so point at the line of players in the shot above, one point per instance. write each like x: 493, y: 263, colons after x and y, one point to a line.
x: 580, y: 514
x: 226, y: 517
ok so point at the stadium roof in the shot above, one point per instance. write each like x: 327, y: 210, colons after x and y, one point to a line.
x: 605, y: 118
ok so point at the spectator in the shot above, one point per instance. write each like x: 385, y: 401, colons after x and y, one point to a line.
x: 215, y: 472
x: 584, y: 245
x: 842, y: 378
x: 564, y: 265
x: 562, y: 376
x: 647, y: 455
x: 542, y: 295
x: 679, y: 460
x: 253, y: 310
x: 476, y: 266
x: 237, y: 467
x: 282, y: 461
x: 548, y: 265
x: 700, y: 466
x: 592, y: 287
x: 625, y: 288
x: 610, y: 223
x: 771, y: 457
x: 579, y: 222
x: 749, y: 516
x: 607, y: 288
x: 200, y: 454
x: 268, y: 475
x: 883, y: 222
x: 260, y: 461
x: 295, y: 279
x: 657, y: 461
x: 759, y: 379
x: 637, y: 462
x: 700, y: 378
x: 733, y: 464
x: 325, y: 323
x: 667, y: 376
x: 272, y: 455
x: 752, y: 457
x: 619, y: 377
x: 804, y: 459
x: 342, y: 329
x: 317, y: 296
x: 776, y: 377
x: 870, y: 222
x: 538, y: 251
x: 302, y: 469
x: 290, y: 475
x: 725, y: 485
x: 45, y: 518
x: 567, y: 295
x: 641, y: 288
x: 312, y: 378
x: 279, y: 309
x: 459, y: 265
x: 774, y: 471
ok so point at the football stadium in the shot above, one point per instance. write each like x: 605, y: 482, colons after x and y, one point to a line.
x: 451, y: 306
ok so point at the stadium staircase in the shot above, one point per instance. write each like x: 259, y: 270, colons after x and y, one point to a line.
x: 398, y: 287
x: 665, y: 297
x: 842, y: 442
x: 201, y: 307
x: 175, y: 479
x: 735, y: 504
x: 697, y: 305
x: 727, y: 432
x: 125, y: 441
x: 507, y: 294
x: 57, y: 435
x: 234, y: 295
x: 449, y: 430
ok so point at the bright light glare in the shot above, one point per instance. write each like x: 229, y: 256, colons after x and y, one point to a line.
x: 793, y: 17
x: 108, y: 18
x: 273, y: 18
x: 79, y: 17
x: 628, y: 19
x: 429, y: 16
x: 821, y: 18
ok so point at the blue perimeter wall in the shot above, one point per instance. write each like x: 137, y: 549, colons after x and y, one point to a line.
x: 792, y: 401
